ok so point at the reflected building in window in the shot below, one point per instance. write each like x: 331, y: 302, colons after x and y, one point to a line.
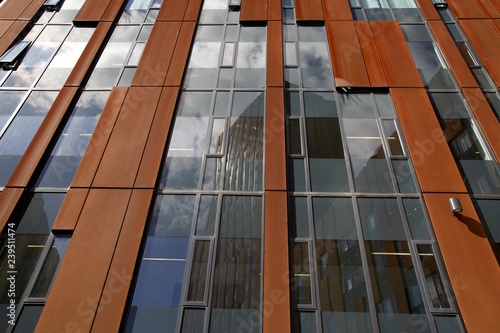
x: 249, y: 166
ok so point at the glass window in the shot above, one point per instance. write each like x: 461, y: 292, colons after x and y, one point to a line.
x: 192, y: 322
x: 69, y: 149
x: 156, y: 299
x: 489, y: 212
x: 251, y: 60
x: 17, y: 137
x: 434, y: 282
x: 238, y: 255
x: 10, y: 102
x: 417, y: 221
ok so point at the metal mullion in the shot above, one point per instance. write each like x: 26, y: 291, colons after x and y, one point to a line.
x: 366, y: 269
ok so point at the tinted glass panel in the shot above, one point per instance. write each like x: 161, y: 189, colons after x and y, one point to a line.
x: 28, y: 319
x: 434, y: 282
x: 197, y: 281
x: 193, y: 321
x: 301, y: 273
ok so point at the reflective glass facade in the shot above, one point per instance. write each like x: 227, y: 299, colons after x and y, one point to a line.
x: 249, y: 166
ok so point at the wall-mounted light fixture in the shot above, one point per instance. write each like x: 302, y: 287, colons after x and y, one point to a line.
x: 455, y: 206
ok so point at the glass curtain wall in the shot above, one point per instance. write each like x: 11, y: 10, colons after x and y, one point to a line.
x: 363, y: 254
x: 201, y: 268
x: 31, y: 89
x: 28, y: 90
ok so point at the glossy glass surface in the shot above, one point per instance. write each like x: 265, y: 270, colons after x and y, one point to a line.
x: 34, y: 224
x: 192, y: 322
x: 156, y: 299
x: 315, y: 64
x: 489, y: 213
x: 433, y: 280
x: 69, y: 149
x: 238, y: 255
x: 28, y: 319
x: 342, y: 290
x: 301, y: 269
x: 20, y: 132
x: 198, y: 278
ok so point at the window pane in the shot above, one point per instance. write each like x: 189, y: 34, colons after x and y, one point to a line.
x: 28, y: 319
x: 391, y: 133
x: 297, y: 181
x: 489, y: 212
x: 237, y: 276
x: 197, y: 281
x: 156, y: 299
x: 294, y: 142
x: 434, y: 282
x: 193, y: 321
x: 299, y: 225
x: 10, y: 102
x: 205, y: 224
x: 301, y: 273
x: 21, y: 130
x: 69, y: 149
x: 404, y: 177
x: 447, y: 324
x: 416, y: 219
x: 244, y: 165
x: 304, y: 322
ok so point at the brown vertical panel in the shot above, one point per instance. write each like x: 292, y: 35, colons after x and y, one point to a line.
x: 275, y: 173
x: 309, y: 10
x: 394, y: 54
x: 33, y: 155
x: 253, y: 10
x: 486, y: 118
x: 9, y: 198
x: 10, y: 36
x: 488, y: 9
x: 486, y: 41
x: 92, y: 157
x: 276, y: 294
x: 112, y: 11
x: 193, y: 10
x: 4, y: 26
x: 274, y: 54
x: 172, y: 10
x: 465, y: 9
x: 70, y: 210
x: 31, y: 10
x: 78, y: 286
x: 155, y: 146
x: 180, y: 55
x: 434, y: 165
x: 274, y: 9
x: 347, y: 58
x: 91, y: 11
x: 11, y: 10
x: 117, y: 286
x: 469, y: 260
x: 496, y: 24
x: 88, y: 56
x: 120, y: 162
x: 452, y: 55
x: 496, y: 4
x: 429, y: 10
x: 339, y: 10
x: 373, y: 64
x: 155, y: 60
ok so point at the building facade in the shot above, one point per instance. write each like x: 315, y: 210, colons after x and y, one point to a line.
x: 250, y: 166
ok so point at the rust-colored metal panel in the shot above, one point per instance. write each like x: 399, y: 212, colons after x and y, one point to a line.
x: 9, y: 198
x: 496, y: 23
x: 347, y: 58
x: 117, y: 286
x: 180, y: 55
x: 274, y: 54
x: 429, y: 10
x: 394, y: 54
x: 486, y: 118
x: 70, y: 210
x: 496, y: 4
x: 172, y: 10
x: 155, y: 60
x: 276, y: 294
x: 432, y: 159
x: 11, y: 10
x: 465, y: 9
x: 31, y: 158
x: 253, y: 10
x: 452, y: 54
x: 4, y: 26
x: 90, y: 52
x: 31, y: 10
x: 112, y: 11
x: 10, y: 36
x: 155, y: 146
x: 120, y: 162
x: 78, y: 286
x: 274, y: 10
x: 469, y: 260
x: 309, y: 10
x: 486, y: 41
x: 91, y: 11
x: 339, y: 10
x: 373, y: 64
x: 193, y: 10
x: 488, y: 8
x: 90, y: 161
x: 275, y: 173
